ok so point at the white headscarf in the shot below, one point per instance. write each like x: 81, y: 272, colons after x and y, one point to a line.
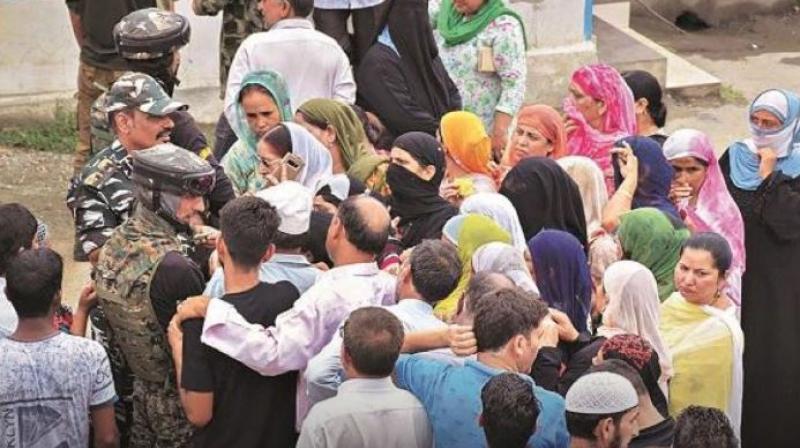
x: 634, y: 308
x: 504, y: 259
x: 318, y: 162
x: 591, y: 183
x: 500, y: 209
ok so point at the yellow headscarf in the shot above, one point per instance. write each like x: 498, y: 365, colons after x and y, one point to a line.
x: 476, y: 230
x: 466, y: 141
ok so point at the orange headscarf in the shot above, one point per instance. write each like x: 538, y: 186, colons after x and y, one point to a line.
x: 466, y: 141
x: 548, y: 122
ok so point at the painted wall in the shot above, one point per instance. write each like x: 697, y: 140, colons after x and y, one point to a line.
x: 38, y: 53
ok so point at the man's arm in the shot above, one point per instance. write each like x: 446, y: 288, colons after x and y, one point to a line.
x: 458, y: 338
x: 75, y: 20
x: 344, y: 85
x: 198, y: 399
x: 324, y: 372
x: 104, y: 425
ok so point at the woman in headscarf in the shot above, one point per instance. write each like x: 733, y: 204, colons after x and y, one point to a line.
x: 703, y: 200
x: 291, y: 138
x: 482, y: 45
x: 647, y: 236
x: 500, y: 209
x: 468, y: 233
x: 699, y: 326
x: 643, y: 178
x: 539, y: 133
x: 599, y: 112
x: 402, y: 78
x: 262, y: 103
x: 468, y: 152
x: 762, y: 174
x: 603, y: 248
x: 414, y: 176
x: 338, y: 128
x: 507, y: 260
x: 651, y: 113
x: 545, y: 198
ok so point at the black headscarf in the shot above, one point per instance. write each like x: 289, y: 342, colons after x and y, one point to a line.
x: 412, y: 35
x: 545, y: 198
x: 416, y: 201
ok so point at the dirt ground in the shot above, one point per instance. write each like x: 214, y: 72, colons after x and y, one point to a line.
x: 748, y: 56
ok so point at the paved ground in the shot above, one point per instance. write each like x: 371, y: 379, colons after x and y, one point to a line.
x: 748, y: 57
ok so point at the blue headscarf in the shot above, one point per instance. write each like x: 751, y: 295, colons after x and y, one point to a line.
x: 655, y: 176
x: 562, y: 274
x: 744, y: 160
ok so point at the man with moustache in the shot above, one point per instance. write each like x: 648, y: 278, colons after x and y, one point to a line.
x: 101, y: 198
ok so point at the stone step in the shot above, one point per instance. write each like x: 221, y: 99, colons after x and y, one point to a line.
x: 624, y: 44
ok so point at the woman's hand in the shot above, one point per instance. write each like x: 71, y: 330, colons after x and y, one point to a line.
x: 566, y: 331
x: 628, y: 163
x: 570, y: 126
x: 451, y: 193
x: 769, y: 158
x: 680, y: 193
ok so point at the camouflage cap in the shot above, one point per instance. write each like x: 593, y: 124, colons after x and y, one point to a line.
x: 151, y: 33
x: 142, y: 92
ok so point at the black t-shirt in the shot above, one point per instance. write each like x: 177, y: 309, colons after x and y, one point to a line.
x: 250, y: 410
x: 98, y: 18
x: 175, y: 279
x: 658, y: 436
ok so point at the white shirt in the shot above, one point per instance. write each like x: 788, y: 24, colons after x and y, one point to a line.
x: 368, y: 413
x: 312, y: 64
x: 8, y: 316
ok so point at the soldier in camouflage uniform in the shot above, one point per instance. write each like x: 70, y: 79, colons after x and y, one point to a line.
x: 141, y: 275
x: 101, y: 198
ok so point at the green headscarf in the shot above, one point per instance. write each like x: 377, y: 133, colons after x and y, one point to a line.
x: 275, y: 85
x: 476, y: 230
x: 457, y: 29
x: 349, y: 130
x: 649, y: 237
x: 365, y: 167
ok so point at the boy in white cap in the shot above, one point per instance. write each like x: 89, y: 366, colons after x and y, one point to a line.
x: 293, y: 202
x: 602, y: 411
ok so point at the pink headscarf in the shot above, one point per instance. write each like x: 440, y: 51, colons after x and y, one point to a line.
x: 715, y: 210
x: 603, y: 83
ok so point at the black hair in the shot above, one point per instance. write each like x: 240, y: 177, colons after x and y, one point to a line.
x: 645, y: 85
x: 714, y: 244
x: 248, y: 225
x: 280, y: 139
x: 373, y: 336
x: 317, y: 234
x: 249, y: 88
x: 505, y: 314
x: 286, y: 241
x: 357, y: 230
x: 510, y: 410
x: 33, y: 281
x: 302, y: 8
x: 17, y: 229
x: 435, y: 269
x: 481, y: 285
x: 625, y: 370
x: 701, y: 427
x: 583, y: 425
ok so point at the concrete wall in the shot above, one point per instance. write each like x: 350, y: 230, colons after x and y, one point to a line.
x: 39, y: 56
x: 716, y: 12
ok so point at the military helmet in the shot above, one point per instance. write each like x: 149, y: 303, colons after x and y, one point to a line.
x: 171, y: 169
x: 151, y: 33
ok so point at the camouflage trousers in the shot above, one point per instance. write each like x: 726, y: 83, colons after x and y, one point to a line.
x: 89, y: 78
x: 158, y: 418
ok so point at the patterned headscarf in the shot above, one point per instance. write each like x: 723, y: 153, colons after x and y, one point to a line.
x: 603, y: 83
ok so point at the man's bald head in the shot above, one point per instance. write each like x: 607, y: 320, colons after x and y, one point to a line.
x: 366, y: 223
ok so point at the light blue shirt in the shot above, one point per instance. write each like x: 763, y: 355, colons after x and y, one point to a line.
x: 386, y: 39
x: 324, y: 372
x: 293, y: 268
x: 345, y: 4
x: 452, y: 398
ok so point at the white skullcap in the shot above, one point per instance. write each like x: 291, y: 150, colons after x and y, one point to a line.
x: 293, y: 202
x: 601, y: 393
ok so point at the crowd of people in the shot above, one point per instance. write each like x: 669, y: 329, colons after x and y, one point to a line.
x: 385, y: 247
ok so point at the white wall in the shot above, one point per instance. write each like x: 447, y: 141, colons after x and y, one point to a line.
x: 38, y: 53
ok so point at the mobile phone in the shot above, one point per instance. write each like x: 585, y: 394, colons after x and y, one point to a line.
x: 292, y: 165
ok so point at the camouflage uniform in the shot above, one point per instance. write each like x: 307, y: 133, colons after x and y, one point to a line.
x: 240, y: 18
x: 124, y: 272
x: 101, y: 197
